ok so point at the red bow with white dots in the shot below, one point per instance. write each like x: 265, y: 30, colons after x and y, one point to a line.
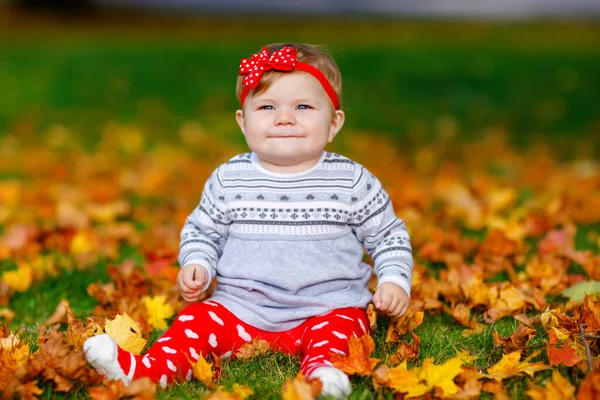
x: 253, y: 68
x: 284, y: 59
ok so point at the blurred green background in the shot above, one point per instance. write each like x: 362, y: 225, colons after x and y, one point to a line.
x: 414, y: 81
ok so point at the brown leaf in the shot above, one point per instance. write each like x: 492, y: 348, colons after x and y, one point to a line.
x: 380, y: 377
x: 253, y: 349
x: 358, y: 360
x: 58, y: 363
x: 406, y: 351
x: 372, y: 316
x: 496, y: 388
x: 517, y: 341
x: 139, y: 389
x: 469, y: 383
x: 60, y: 314
x: 403, y: 325
x: 300, y: 389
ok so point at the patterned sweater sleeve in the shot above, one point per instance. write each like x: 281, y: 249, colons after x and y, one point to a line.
x: 383, y: 235
x: 205, y: 231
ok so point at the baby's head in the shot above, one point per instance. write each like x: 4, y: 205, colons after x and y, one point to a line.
x: 305, y: 53
x: 291, y: 105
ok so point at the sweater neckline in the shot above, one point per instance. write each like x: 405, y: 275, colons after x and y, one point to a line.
x: 259, y: 167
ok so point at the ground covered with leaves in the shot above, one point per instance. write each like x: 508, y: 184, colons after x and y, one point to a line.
x: 506, y: 245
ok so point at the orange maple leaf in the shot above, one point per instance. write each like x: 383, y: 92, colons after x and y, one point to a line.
x: 590, y: 387
x: 358, y: 360
x: 565, y: 354
x: 511, y: 365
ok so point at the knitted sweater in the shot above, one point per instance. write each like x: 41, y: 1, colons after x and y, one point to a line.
x: 285, y: 247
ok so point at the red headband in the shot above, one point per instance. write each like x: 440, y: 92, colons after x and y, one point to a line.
x: 282, y: 60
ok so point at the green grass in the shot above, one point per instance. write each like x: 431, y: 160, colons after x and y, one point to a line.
x: 433, y: 80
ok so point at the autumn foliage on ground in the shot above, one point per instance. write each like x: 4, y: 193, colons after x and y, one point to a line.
x: 493, y: 230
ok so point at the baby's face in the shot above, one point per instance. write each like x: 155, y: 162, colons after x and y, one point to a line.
x: 289, y: 124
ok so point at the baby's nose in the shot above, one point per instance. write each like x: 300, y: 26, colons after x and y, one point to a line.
x: 285, y: 117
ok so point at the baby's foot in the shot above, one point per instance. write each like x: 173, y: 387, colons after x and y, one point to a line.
x: 101, y: 351
x: 335, y: 382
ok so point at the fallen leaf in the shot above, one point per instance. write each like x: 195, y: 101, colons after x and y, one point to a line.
x: 57, y: 362
x: 402, y: 380
x: 420, y: 381
x: 253, y: 349
x: 60, y: 314
x: 590, y: 387
x: 517, y: 341
x: 469, y: 384
x: 511, y: 365
x: 565, y: 355
x: 239, y: 392
x: 372, y: 316
x: 158, y: 311
x: 558, y: 388
x: 579, y: 290
x: 403, y: 325
x: 126, y: 333
x: 405, y: 351
x: 300, y: 389
x: 19, y: 279
x: 138, y: 389
x: 203, y: 371
x: 358, y: 360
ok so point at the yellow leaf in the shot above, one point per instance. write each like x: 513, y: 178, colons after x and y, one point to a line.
x: 419, y: 381
x: 300, y: 389
x: 7, y: 315
x: 83, y: 242
x: 404, y: 381
x: 126, y: 333
x: 510, y: 365
x: 441, y: 376
x: 203, y: 371
x: 557, y: 389
x: 20, y: 279
x: 13, y: 351
x: 158, y: 311
x: 242, y: 391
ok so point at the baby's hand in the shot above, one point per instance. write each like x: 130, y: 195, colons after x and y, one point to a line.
x: 191, y: 280
x: 391, y: 299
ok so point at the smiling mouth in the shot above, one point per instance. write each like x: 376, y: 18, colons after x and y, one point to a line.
x: 286, y: 136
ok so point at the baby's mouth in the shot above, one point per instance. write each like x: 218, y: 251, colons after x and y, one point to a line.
x: 286, y: 136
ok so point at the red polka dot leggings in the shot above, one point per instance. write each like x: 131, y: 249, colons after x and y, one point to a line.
x: 208, y: 327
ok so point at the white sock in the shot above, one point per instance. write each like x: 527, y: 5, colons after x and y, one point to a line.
x: 335, y: 382
x: 101, y: 351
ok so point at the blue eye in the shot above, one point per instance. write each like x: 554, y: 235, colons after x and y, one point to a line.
x: 266, y: 107
x: 304, y: 107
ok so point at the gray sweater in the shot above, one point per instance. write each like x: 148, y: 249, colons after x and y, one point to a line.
x: 285, y: 247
